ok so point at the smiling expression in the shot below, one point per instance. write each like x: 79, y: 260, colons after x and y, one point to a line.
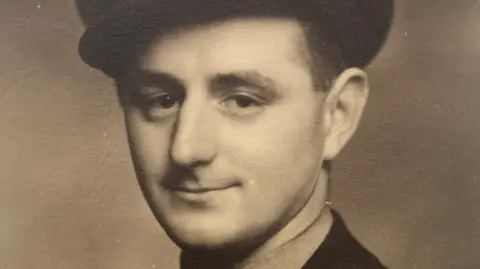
x: 225, y: 130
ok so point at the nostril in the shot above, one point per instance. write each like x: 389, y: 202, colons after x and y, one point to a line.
x: 181, y: 153
x: 192, y: 149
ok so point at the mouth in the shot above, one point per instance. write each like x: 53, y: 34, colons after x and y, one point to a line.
x: 201, y: 197
x: 190, y: 188
x: 197, y: 189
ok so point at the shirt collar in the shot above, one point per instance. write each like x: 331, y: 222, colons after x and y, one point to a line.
x: 297, y: 251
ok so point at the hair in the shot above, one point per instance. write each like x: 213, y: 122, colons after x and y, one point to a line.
x: 322, y: 56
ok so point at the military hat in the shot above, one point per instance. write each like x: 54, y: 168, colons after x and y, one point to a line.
x: 116, y: 28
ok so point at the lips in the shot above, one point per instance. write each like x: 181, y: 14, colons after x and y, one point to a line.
x: 201, y: 197
x: 184, y: 181
x: 198, y: 189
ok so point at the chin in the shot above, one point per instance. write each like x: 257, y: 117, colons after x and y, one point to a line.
x: 200, y: 236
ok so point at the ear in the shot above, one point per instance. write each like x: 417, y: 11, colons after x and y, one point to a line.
x: 343, y: 109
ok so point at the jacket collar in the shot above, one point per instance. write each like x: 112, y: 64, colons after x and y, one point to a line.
x: 341, y: 250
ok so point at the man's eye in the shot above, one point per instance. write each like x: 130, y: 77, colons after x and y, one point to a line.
x: 164, y: 101
x: 163, y: 105
x: 241, y: 103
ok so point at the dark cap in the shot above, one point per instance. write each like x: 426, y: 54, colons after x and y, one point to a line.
x: 116, y: 29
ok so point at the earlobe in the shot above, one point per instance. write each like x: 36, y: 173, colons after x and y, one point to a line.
x: 343, y: 109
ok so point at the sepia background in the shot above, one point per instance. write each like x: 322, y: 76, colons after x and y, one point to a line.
x: 408, y: 184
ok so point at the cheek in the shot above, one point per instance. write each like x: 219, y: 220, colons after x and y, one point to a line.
x: 149, y: 143
x: 281, y: 147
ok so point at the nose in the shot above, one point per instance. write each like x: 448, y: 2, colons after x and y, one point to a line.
x: 194, y: 134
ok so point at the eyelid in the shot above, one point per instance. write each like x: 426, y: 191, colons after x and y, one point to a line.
x: 255, y: 97
x: 153, y: 91
x: 151, y: 95
x: 253, y: 92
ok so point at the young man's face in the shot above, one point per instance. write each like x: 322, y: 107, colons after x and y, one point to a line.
x: 226, y: 131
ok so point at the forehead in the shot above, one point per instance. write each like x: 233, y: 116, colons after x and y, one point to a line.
x: 234, y: 44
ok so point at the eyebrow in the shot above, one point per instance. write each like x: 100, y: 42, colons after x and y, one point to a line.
x: 219, y: 82
x: 148, y: 78
x: 247, y: 79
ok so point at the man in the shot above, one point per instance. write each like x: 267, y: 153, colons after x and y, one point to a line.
x: 234, y: 111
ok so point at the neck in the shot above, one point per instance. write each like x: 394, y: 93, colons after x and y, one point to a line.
x: 315, y: 211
